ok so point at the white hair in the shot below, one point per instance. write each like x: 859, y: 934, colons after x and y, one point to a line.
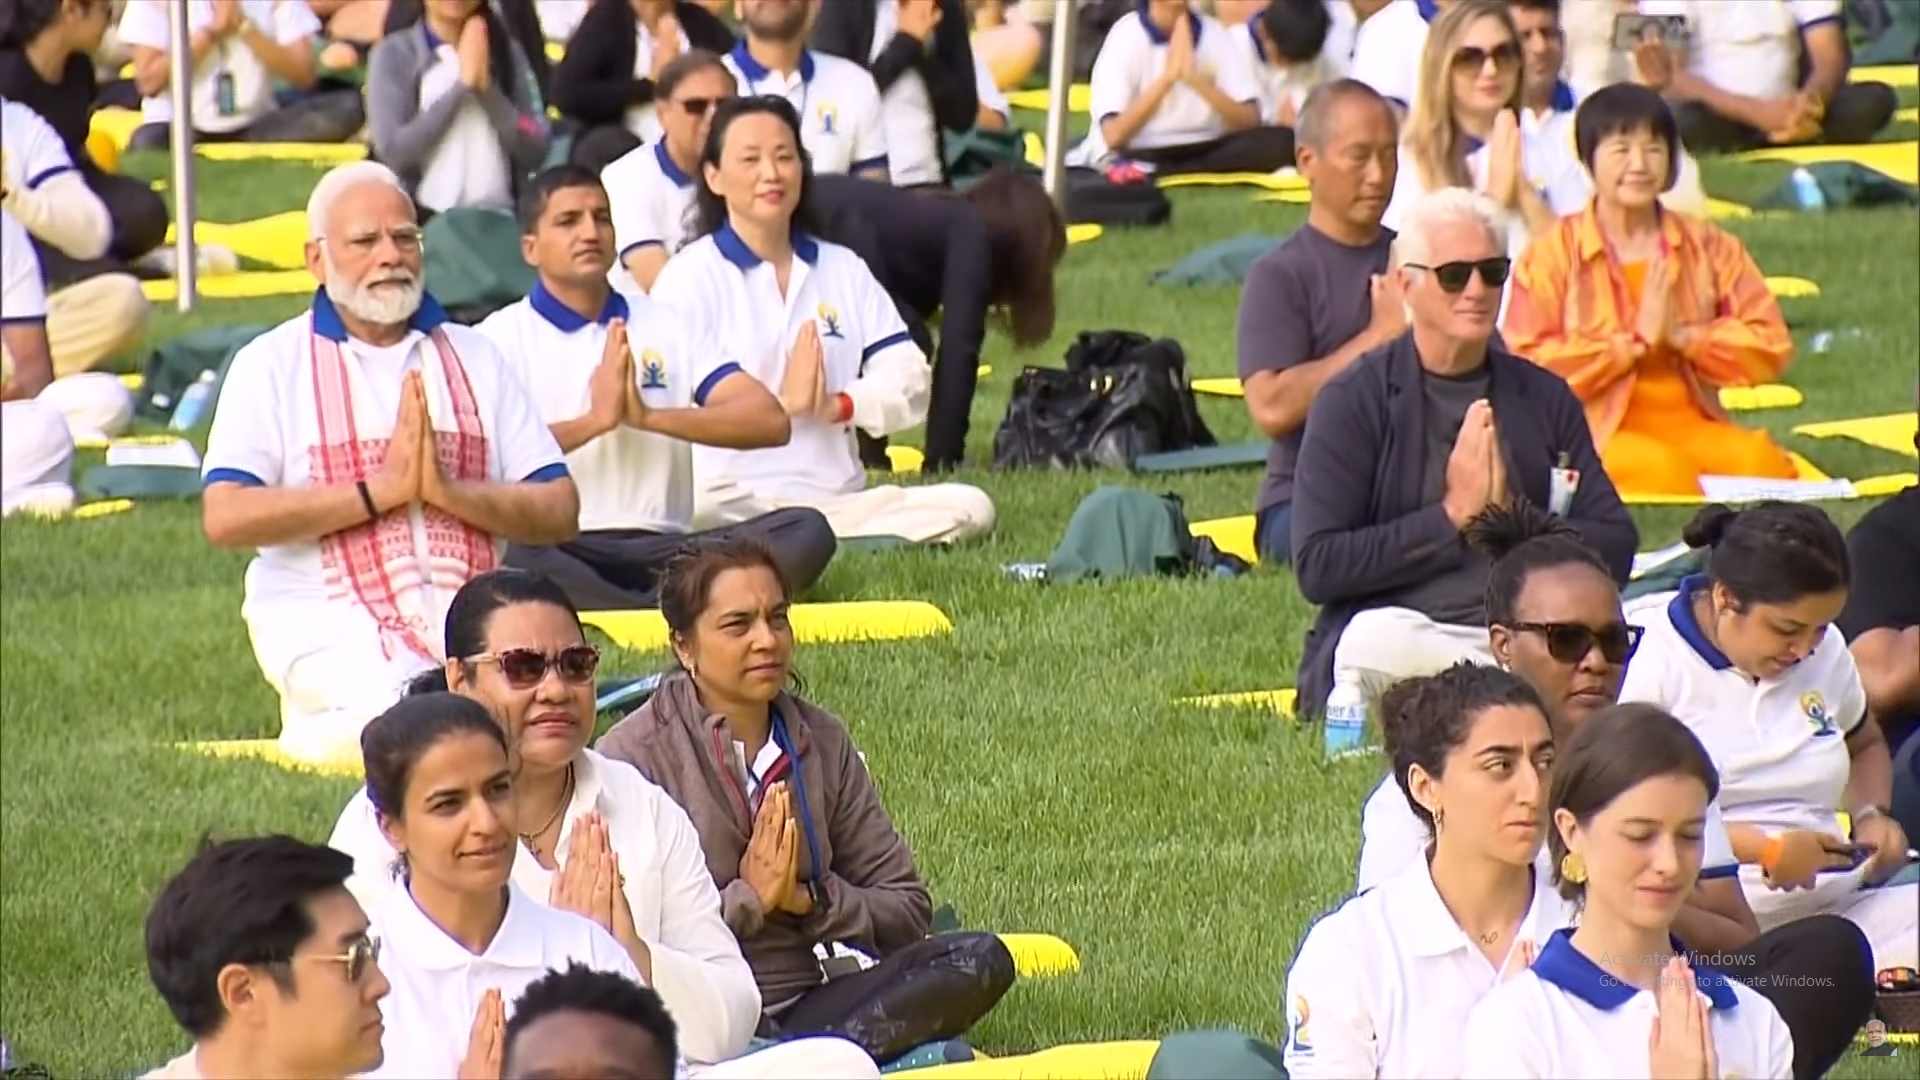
x: 337, y: 182
x: 1446, y: 206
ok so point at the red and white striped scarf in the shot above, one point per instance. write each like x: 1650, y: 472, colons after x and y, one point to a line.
x: 377, y: 564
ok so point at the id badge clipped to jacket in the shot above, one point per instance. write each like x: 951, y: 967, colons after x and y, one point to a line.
x: 1563, y: 482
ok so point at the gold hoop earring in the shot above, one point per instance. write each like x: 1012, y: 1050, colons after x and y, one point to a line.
x: 1573, y: 868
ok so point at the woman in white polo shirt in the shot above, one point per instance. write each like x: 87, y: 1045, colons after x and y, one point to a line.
x: 1746, y: 655
x: 808, y: 319
x: 1381, y: 986
x: 1171, y: 90
x: 1629, y: 801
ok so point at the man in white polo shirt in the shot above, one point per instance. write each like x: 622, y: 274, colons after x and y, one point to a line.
x: 375, y: 453
x: 627, y: 391
x: 1384, y: 49
x: 652, y: 187
x: 240, y: 49
x: 36, y: 452
x: 839, y: 105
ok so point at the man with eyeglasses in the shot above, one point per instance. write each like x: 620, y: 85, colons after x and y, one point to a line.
x: 263, y: 957
x: 1408, y: 446
x: 375, y: 454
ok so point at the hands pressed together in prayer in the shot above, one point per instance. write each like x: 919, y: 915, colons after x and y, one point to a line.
x: 803, y: 389
x: 411, y: 473
x: 613, y: 395
x: 1476, y: 470
x: 919, y: 18
x: 1681, y: 1045
x: 589, y: 883
x: 771, y: 865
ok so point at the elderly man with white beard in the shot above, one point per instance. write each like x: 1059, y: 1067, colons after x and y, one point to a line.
x: 377, y: 456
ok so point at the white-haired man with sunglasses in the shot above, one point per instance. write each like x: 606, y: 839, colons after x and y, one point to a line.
x: 1408, y: 445
x: 376, y: 455
x: 263, y: 957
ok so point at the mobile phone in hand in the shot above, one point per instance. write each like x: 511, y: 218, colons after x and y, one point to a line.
x: 1631, y: 30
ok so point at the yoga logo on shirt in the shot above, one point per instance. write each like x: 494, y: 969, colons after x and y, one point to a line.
x: 829, y: 321
x: 829, y: 119
x: 1815, y: 707
x: 653, y: 370
x: 1302, y: 1042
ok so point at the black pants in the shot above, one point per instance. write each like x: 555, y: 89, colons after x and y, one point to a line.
x: 930, y: 991
x: 1818, y: 974
x: 325, y: 116
x: 598, y: 147
x: 1855, y: 115
x: 139, y: 219
x: 619, y: 569
x: 1255, y: 150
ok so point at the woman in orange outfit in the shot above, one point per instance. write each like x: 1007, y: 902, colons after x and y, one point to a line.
x: 1647, y: 313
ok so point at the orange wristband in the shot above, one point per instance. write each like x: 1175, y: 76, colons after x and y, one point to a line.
x: 1770, y: 852
x: 845, y: 412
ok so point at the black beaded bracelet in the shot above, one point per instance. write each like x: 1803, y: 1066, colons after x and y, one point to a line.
x: 366, y: 500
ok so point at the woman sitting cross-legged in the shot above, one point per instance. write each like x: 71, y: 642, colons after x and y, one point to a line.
x: 813, y: 877
x: 1647, y: 313
x: 516, y: 648
x: 808, y: 319
x: 1618, y: 997
x: 1382, y: 985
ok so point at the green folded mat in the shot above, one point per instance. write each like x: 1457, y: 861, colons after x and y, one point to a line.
x: 140, y: 482
x: 1203, y: 458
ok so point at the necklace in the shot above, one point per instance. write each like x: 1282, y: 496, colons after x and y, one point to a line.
x: 566, y: 796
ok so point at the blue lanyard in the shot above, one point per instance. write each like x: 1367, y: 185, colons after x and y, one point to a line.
x: 781, y: 740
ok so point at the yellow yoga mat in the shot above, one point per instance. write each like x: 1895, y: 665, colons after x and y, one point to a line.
x: 1084, y: 232
x: 1879, y: 487
x: 268, y: 750
x: 906, y: 460
x: 1075, y: 1061
x: 1079, y: 99
x: 1907, y: 116
x: 1219, y: 387
x: 127, y: 440
x: 1891, y: 74
x: 312, y: 153
x: 133, y: 383
x: 1036, y: 150
x: 1900, y: 160
x: 1232, y: 535
x: 246, y: 285
x: 1268, y: 181
x: 1041, y: 956
x: 855, y: 620
x: 1893, y: 432
x: 1280, y: 701
x: 116, y: 125
x: 1792, y: 287
x: 1722, y: 210
x: 1295, y: 196
x: 1764, y: 396
x: 278, y: 241
x: 105, y: 508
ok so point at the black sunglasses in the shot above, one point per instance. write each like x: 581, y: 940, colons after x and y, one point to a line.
x: 1473, y: 57
x: 1453, y: 276
x: 699, y: 106
x: 525, y: 668
x: 1569, y: 643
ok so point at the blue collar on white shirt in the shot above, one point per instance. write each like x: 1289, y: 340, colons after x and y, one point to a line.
x: 1569, y: 969
x: 565, y: 319
x: 1680, y: 613
x: 667, y: 168
x: 326, y: 318
x: 754, y: 70
x: 739, y: 254
x: 1159, y: 36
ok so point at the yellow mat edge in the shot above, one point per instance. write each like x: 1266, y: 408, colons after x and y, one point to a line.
x: 267, y: 752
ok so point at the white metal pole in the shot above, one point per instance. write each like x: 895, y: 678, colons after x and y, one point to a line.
x: 186, y: 271
x: 1059, y: 90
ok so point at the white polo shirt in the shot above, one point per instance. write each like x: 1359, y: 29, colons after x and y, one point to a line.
x: 468, y: 167
x: 1135, y: 53
x: 628, y: 479
x: 265, y: 426
x: 31, y: 152
x: 906, y: 108
x: 643, y: 119
x: 839, y: 106
x: 1382, y: 985
x: 697, y: 964
x: 1749, y: 47
x: 1392, y: 838
x: 23, y: 292
x: 1386, y: 49
x: 230, y: 75
x: 1280, y: 83
x: 437, y: 983
x: 728, y: 295
x: 1567, y: 1019
x: 651, y: 201
x: 991, y: 99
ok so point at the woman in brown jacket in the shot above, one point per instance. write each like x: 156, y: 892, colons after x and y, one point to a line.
x: 815, y: 882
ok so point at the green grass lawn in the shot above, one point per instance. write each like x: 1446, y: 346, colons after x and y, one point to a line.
x: 1036, y: 758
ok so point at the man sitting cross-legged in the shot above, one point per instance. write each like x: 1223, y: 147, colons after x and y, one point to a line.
x: 1406, y: 447
x: 626, y: 390
x: 375, y: 454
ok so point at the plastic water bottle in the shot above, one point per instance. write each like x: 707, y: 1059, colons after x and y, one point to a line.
x: 193, y: 403
x: 1346, y: 719
x: 1806, y: 191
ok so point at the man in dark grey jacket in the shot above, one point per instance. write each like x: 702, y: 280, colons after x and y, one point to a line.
x: 1406, y: 447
